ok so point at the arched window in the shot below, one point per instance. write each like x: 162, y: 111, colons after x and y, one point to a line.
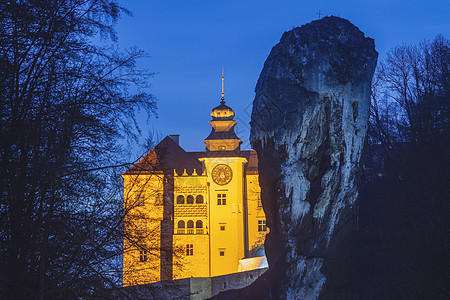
x: 199, y: 227
x: 190, y: 227
x: 199, y: 199
x: 180, y: 199
x: 190, y: 199
x: 180, y: 229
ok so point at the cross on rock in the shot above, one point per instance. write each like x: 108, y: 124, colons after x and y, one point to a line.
x: 319, y: 14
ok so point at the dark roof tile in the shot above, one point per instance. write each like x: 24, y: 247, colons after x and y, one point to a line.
x: 168, y: 155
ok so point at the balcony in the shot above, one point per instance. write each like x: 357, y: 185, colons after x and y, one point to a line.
x: 191, y: 231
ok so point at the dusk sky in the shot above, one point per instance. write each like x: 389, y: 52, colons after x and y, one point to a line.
x: 190, y: 41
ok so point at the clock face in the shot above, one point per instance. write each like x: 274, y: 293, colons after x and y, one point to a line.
x: 222, y: 174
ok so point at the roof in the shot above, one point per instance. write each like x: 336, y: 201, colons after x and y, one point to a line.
x: 164, y: 158
x: 222, y: 135
x: 222, y: 112
x: 168, y: 155
x: 252, y: 166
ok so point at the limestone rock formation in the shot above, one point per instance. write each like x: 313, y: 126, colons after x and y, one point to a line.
x: 308, y: 126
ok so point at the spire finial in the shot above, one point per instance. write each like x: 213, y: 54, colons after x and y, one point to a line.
x: 222, y: 99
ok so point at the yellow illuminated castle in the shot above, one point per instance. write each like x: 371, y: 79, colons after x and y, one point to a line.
x: 193, y: 214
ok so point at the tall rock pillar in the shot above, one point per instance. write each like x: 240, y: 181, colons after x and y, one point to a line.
x: 308, y: 125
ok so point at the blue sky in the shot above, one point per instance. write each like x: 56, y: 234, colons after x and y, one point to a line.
x: 190, y: 41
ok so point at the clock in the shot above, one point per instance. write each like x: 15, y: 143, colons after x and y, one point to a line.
x: 222, y: 174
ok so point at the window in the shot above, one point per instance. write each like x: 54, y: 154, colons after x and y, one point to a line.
x: 189, y: 249
x: 222, y: 227
x: 180, y: 199
x: 190, y: 227
x: 180, y: 229
x: 262, y: 225
x: 199, y: 227
x: 221, y: 252
x: 143, y: 255
x: 199, y: 199
x: 221, y: 199
x: 190, y: 199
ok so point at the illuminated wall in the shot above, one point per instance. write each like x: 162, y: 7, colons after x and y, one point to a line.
x: 257, y: 228
x: 191, y: 233
x: 143, y: 212
x: 226, y: 215
x: 214, y: 225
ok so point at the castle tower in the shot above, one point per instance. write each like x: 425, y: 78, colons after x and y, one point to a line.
x: 225, y: 169
x: 222, y: 136
x: 202, y: 210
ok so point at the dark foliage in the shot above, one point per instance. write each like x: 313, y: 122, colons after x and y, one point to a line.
x: 403, y: 242
x: 65, y: 100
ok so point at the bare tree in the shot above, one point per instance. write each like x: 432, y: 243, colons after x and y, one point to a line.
x: 65, y: 102
x: 404, y: 209
x: 410, y: 93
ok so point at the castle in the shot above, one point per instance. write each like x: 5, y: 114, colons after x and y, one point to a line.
x: 193, y: 214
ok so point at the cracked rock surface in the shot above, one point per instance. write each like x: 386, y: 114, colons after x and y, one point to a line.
x: 308, y: 125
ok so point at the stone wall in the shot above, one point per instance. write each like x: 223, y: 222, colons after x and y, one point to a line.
x: 234, y: 281
x: 190, y: 288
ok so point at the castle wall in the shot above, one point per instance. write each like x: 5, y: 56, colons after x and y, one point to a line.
x: 143, y: 212
x: 255, y: 213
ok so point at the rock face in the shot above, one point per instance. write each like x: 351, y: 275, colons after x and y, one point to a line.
x: 308, y: 126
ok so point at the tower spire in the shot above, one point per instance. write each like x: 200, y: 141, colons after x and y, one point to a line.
x: 222, y: 99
